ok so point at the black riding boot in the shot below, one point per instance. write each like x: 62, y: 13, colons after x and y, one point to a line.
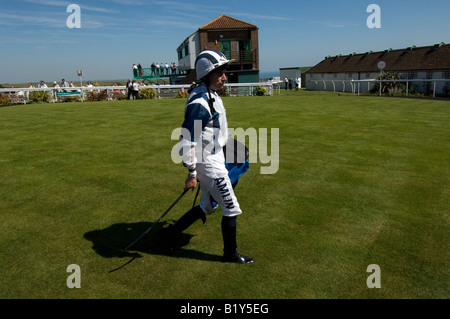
x: 230, y: 253
x: 169, y: 233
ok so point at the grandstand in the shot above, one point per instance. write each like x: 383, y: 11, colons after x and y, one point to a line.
x: 154, y: 74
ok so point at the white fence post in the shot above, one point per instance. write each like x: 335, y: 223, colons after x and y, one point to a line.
x: 373, y: 81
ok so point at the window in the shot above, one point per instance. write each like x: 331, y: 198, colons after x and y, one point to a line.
x: 411, y: 75
x: 226, y: 49
x: 368, y: 75
x: 446, y: 74
x: 447, y: 88
x: 429, y: 74
x: 186, y: 49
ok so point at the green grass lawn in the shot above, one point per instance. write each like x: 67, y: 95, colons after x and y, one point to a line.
x: 362, y: 180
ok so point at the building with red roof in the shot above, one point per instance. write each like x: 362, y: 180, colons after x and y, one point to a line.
x: 237, y: 39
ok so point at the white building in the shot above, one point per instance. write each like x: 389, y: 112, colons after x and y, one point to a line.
x: 294, y: 73
x: 188, y: 51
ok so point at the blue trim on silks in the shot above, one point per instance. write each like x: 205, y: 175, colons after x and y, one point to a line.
x: 195, y: 111
x: 200, y: 95
x: 215, y: 118
x: 235, y: 171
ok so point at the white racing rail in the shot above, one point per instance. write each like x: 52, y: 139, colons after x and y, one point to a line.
x: 364, y: 86
x: 22, y: 95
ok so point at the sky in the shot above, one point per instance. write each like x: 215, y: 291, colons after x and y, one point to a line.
x: 37, y: 43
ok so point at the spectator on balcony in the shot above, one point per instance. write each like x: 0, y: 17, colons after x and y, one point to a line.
x: 174, y: 68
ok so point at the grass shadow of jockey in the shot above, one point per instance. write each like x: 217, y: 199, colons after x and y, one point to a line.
x: 111, y: 242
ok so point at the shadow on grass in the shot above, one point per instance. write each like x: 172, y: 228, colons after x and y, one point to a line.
x: 111, y: 242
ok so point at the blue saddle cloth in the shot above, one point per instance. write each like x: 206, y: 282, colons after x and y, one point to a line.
x: 235, y: 171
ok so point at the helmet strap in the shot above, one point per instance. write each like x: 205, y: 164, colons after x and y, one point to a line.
x: 210, y: 100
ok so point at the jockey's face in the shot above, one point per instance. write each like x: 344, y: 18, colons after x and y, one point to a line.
x: 217, y: 79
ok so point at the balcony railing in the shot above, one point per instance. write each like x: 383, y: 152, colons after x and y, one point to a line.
x: 242, y: 56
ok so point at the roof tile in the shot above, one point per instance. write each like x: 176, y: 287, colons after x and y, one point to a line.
x: 226, y: 22
x: 435, y: 57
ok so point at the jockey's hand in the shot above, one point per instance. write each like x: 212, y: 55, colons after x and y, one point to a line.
x: 191, y: 182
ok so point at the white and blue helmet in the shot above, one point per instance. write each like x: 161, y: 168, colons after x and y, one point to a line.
x: 209, y: 60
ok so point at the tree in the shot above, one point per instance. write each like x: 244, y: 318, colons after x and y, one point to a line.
x: 389, y: 86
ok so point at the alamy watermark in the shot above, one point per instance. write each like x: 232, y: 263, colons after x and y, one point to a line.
x: 374, y: 280
x: 258, y: 146
x: 74, y: 280
x: 374, y: 20
x: 74, y: 19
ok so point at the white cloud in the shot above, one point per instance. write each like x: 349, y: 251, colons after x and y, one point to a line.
x: 334, y: 24
x: 59, y: 3
x: 128, y: 2
x: 14, y: 19
x: 259, y: 16
x: 186, y: 6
